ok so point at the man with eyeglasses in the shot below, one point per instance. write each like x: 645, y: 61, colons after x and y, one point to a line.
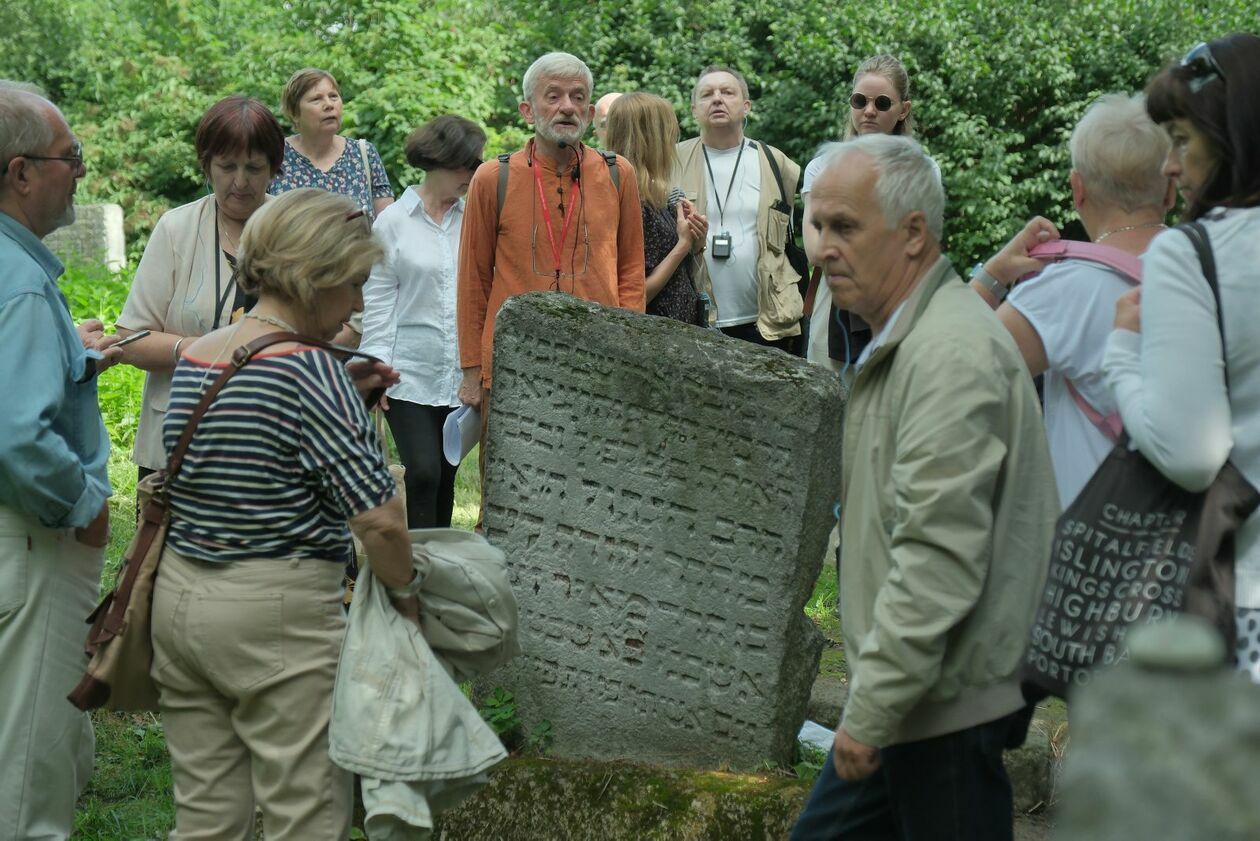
x: 557, y: 215
x: 54, y: 488
x: 747, y: 190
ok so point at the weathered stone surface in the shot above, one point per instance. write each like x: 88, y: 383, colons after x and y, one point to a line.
x: 95, y: 238
x: 559, y: 800
x: 1184, y: 643
x: 826, y: 701
x: 1163, y: 754
x: 663, y: 494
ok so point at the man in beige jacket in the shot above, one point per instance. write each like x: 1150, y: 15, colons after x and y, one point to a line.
x: 747, y: 190
x: 948, y: 511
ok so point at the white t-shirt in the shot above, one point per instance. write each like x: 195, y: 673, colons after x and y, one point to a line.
x: 735, y: 278
x: 1072, y: 306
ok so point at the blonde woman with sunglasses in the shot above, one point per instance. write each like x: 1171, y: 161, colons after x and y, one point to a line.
x: 879, y: 103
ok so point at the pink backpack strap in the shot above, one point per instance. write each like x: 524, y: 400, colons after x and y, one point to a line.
x: 1128, y: 265
x: 1110, y: 425
x: 1125, y: 263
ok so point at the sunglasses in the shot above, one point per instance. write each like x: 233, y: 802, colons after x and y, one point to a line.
x: 859, y: 100
x: 1200, y: 62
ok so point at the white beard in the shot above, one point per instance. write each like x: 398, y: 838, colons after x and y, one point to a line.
x: 66, y: 218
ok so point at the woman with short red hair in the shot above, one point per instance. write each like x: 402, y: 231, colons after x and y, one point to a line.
x: 185, y: 284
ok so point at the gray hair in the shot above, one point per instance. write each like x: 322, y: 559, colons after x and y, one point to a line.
x: 906, y: 179
x: 1120, y: 153
x: 555, y: 66
x: 24, y: 127
x: 721, y: 68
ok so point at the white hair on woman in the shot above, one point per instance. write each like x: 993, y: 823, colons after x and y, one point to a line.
x: 906, y: 179
x: 1119, y: 152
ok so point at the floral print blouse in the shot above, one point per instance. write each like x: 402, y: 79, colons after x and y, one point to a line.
x: 346, y: 175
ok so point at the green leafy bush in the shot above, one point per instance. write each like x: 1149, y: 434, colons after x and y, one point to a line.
x: 996, y: 87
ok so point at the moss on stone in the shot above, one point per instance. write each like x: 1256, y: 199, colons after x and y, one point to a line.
x: 558, y: 800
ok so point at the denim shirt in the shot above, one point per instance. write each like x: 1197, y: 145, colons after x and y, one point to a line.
x: 53, y: 445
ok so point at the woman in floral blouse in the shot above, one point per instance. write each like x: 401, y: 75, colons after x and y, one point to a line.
x: 317, y: 156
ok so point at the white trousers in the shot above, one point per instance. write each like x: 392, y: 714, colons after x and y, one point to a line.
x: 49, y: 583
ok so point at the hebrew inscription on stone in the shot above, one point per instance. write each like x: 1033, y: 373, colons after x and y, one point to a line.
x: 664, y: 495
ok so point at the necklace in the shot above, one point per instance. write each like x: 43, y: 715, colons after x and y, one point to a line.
x: 271, y: 319
x: 233, y: 242
x: 1106, y: 234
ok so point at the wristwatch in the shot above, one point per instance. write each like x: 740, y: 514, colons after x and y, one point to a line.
x: 989, y: 282
x: 408, y: 590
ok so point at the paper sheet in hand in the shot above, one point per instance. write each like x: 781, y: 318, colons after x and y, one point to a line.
x: 461, y: 430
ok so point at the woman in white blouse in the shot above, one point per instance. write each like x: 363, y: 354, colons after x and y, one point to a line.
x: 409, y: 308
x: 1164, y: 363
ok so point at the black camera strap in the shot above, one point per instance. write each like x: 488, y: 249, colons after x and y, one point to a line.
x: 713, y: 181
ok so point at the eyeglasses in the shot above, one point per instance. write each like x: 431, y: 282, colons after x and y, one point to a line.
x: 355, y: 214
x: 859, y: 100
x: 75, y: 157
x: 1200, y: 62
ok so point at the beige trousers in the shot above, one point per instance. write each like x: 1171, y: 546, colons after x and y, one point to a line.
x: 245, y: 655
x: 48, y: 584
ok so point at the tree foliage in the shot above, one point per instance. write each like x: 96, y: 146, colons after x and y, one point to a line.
x: 996, y: 87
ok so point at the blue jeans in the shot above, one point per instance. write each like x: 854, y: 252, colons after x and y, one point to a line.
x: 947, y: 788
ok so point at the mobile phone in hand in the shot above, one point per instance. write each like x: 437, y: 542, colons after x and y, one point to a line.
x: 134, y: 337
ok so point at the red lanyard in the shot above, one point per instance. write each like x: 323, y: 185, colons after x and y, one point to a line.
x: 546, y: 212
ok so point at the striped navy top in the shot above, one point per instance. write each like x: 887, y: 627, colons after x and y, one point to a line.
x: 282, y: 458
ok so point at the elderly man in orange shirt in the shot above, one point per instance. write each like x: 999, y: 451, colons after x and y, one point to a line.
x: 569, y: 222
x: 557, y: 215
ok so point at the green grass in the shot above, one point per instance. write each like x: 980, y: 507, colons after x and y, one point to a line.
x: 129, y: 795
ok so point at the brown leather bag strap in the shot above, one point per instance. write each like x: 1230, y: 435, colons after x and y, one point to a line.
x: 814, y: 279
x: 240, y: 357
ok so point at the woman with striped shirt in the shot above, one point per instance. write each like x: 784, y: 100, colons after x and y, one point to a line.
x: 247, y: 615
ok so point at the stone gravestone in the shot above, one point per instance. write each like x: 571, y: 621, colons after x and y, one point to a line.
x: 95, y: 238
x: 1165, y: 747
x: 663, y: 494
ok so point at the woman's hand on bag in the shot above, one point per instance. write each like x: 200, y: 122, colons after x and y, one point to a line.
x: 1013, y: 262
x: 1129, y: 310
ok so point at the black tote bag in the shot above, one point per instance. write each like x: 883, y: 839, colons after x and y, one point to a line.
x: 1134, y: 547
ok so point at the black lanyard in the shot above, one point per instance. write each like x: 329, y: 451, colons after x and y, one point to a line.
x: 713, y: 181
x: 220, y: 294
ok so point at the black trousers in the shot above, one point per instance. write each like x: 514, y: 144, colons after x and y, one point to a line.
x: 430, y: 479
x: 947, y: 788
x: 749, y: 333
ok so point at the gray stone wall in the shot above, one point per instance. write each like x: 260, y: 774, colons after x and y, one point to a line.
x: 664, y: 495
x: 95, y: 238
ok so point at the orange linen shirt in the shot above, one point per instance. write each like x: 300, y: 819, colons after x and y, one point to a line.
x: 601, y: 258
